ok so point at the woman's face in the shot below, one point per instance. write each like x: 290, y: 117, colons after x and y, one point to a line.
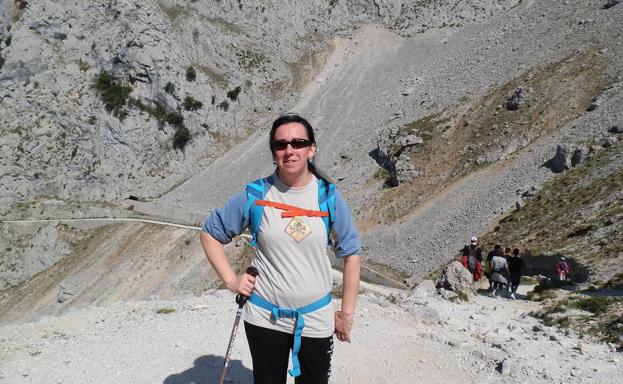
x: 291, y: 161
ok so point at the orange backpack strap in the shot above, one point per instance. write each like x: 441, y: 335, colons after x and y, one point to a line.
x: 291, y: 210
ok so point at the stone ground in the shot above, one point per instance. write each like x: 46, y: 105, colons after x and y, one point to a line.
x: 428, y: 339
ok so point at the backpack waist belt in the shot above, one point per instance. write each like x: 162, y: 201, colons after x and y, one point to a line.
x: 297, y: 314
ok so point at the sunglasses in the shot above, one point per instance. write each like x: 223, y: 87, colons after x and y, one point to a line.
x: 281, y: 145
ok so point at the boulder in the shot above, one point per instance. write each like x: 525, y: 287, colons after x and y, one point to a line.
x: 579, y: 155
x: 456, y: 278
x: 504, y: 368
x: 520, y: 97
x: 425, y: 289
x: 561, y: 160
x: 611, y: 3
x: 392, y: 153
x: 609, y: 141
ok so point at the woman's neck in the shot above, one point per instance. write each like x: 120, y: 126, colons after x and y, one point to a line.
x: 295, y: 181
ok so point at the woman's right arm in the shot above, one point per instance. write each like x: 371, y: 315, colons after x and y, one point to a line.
x: 219, y: 228
x: 215, y: 252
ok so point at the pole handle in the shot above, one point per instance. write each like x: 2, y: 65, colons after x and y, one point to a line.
x: 240, y: 298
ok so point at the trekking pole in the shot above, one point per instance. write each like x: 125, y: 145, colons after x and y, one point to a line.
x: 240, y: 300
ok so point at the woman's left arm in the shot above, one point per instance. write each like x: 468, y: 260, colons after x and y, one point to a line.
x: 348, y: 248
x: 344, y: 318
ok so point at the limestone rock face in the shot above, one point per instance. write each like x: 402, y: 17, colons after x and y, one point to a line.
x: 60, y: 142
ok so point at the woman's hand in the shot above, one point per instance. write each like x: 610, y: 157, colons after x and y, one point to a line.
x: 343, y: 324
x: 243, y: 284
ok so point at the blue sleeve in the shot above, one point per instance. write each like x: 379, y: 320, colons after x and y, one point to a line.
x: 225, y: 223
x: 347, y: 241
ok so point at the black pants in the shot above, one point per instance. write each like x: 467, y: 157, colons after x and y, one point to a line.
x: 270, y: 352
x: 515, y: 279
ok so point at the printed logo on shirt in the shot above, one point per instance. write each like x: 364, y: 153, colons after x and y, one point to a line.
x: 297, y: 229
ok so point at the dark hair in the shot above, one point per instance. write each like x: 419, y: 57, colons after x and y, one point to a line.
x: 286, y: 119
x: 516, y: 252
x: 295, y: 118
x: 507, y: 250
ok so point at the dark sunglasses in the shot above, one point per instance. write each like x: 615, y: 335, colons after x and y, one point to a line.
x: 281, y: 145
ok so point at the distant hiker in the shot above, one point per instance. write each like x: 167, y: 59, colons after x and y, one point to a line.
x: 496, y: 250
x: 472, y: 258
x: 515, y: 264
x: 499, y: 271
x: 562, y: 269
x: 292, y: 215
x: 507, y: 253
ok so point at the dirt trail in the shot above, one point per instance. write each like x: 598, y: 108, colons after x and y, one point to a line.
x: 430, y: 340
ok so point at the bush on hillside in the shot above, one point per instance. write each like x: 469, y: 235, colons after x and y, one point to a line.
x: 175, y: 119
x: 233, y: 94
x: 594, y: 305
x: 191, y: 74
x: 224, y: 105
x: 169, y: 88
x: 191, y: 104
x: 113, y: 94
x: 181, y: 138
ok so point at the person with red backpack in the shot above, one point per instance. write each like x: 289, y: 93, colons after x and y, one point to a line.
x: 562, y: 269
x: 472, y: 258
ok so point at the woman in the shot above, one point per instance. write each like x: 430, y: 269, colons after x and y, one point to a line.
x: 294, y: 270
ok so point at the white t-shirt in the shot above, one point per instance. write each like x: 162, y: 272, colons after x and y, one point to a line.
x: 292, y: 258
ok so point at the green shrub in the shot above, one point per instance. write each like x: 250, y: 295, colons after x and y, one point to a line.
x: 224, y: 105
x: 2, y: 61
x: 8, y: 40
x: 165, y: 311
x: 169, y: 88
x: 175, y: 119
x: 181, y: 138
x: 92, y: 119
x: 191, y: 74
x: 114, y: 95
x: 191, y: 104
x: 233, y: 94
x: 595, y: 305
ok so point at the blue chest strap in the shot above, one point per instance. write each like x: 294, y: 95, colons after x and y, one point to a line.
x: 297, y: 315
x: 256, y: 191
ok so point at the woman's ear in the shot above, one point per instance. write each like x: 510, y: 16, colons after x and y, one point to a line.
x: 312, y: 152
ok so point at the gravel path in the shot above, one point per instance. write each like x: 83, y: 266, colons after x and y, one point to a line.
x: 430, y: 339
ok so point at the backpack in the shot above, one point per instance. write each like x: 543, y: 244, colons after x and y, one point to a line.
x: 257, y: 189
x: 471, y: 258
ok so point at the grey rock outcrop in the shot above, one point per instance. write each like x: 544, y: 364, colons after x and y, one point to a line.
x: 520, y: 97
x: 456, y: 278
x: 393, y: 148
x: 567, y: 156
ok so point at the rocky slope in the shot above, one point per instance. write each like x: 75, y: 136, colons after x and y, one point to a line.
x: 187, y: 80
x: 432, y: 78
